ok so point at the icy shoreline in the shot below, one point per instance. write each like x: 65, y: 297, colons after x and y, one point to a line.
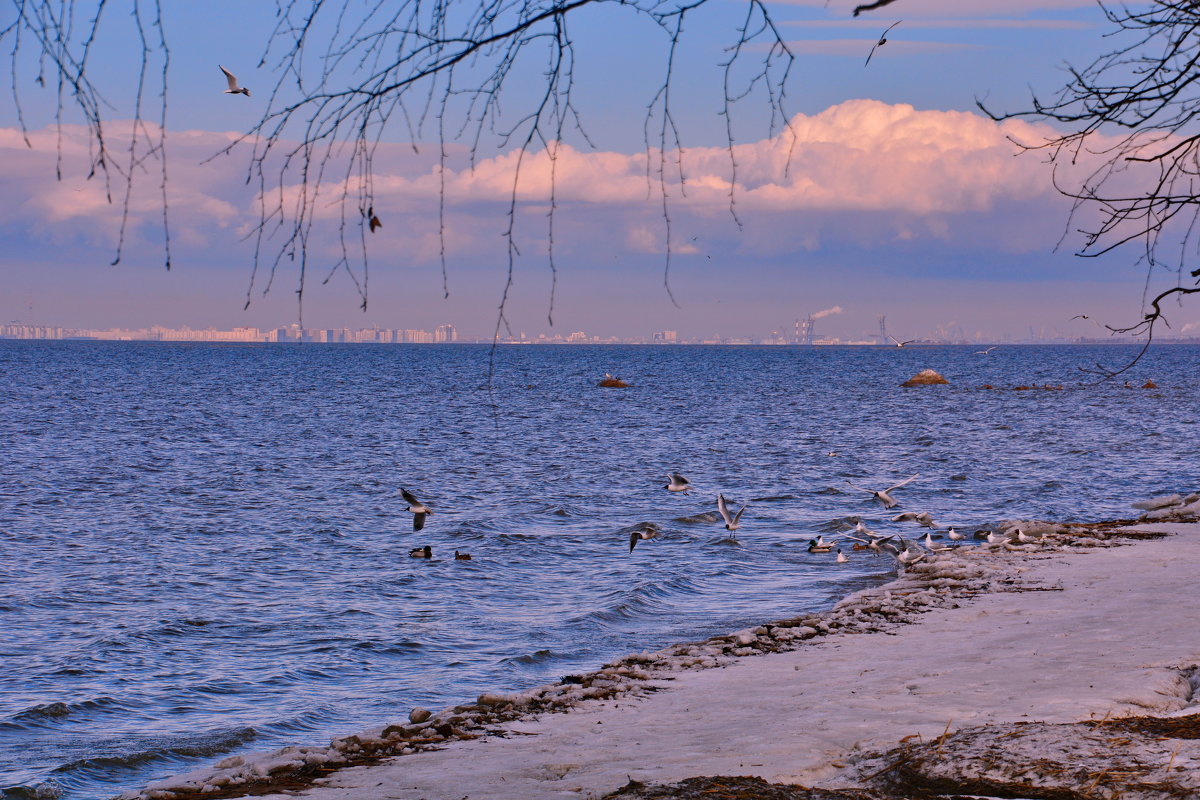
x: 998, y: 636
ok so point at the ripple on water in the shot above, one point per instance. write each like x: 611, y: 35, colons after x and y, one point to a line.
x: 226, y: 551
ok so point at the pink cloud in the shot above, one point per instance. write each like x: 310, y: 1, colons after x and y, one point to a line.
x: 861, y: 172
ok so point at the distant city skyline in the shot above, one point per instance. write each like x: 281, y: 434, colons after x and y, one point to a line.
x: 448, y: 334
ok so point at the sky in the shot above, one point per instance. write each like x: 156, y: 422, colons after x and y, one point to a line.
x: 887, y: 193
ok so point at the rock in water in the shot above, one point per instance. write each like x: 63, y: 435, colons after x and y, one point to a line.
x: 419, y: 715
x: 924, y: 378
x: 1149, y: 385
x: 613, y: 383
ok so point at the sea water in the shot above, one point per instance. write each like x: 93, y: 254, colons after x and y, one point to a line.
x: 203, y: 550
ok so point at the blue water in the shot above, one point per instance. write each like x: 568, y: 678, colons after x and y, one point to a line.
x: 204, y: 551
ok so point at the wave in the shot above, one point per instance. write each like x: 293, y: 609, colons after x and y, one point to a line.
x: 58, y: 710
x: 200, y: 746
x: 704, y: 516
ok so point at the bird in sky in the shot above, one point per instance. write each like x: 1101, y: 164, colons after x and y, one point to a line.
x: 1079, y: 316
x: 885, y: 495
x: 233, y: 83
x: 731, y: 521
x: 678, y: 483
x: 418, y: 509
x: 900, y: 343
x: 882, y: 41
x: 373, y: 221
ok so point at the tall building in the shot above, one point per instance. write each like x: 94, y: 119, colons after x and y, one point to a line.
x: 445, y: 333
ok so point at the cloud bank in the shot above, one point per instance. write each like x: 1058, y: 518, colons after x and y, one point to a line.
x: 863, y: 175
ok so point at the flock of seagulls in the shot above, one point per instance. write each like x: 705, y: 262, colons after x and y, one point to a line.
x: 905, y: 552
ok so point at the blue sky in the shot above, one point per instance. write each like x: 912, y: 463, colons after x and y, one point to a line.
x: 899, y: 197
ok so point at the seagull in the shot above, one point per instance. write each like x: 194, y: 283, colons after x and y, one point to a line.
x: 994, y: 538
x: 1025, y: 538
x: 922, y: 518
x: 900, y: 343
x: 841, y: 557
x: 985, y: 352
x: 422, y: 552
x: 909, y: 557
x: 954, y: 535
x: 640, y: 534
x: 731, y: 522
x: 882, y: 41
x: 884, y: 496
x: 461, y: 556
x: 417, y: 508
x: 1079, y: 316
x: 875, y: 543
x: 863, y: 529
x: 678, y: 482
x: 233, y: 83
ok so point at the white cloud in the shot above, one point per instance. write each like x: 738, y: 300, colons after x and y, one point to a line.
x: 863, y: 173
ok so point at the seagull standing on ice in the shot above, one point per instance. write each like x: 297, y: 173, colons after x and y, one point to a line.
x: 954, y: 535
x: 678, y: 483
x: 418, y: 509
x: 885, y: 495
x: 233, y: 83
x: 731, y: 521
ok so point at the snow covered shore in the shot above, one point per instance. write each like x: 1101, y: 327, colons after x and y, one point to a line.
x: 967, y: 675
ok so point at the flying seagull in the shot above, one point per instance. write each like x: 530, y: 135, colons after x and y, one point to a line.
x: 731, y: 522
x: 233, y: 83
x: 876, y: 543
x: 418, y: 509
x: 678, y: 482
x: 885, y: 495
x: 640, y: 534
x: 922, y: 518
x: 900, y: 343
x: 882, y: 41
x: 985, y: 352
